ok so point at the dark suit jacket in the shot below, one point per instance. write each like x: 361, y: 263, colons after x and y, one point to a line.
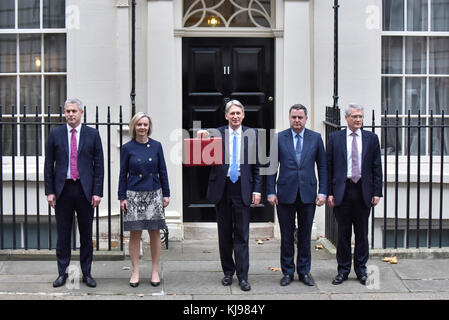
x: 142, y: 168
x: 292, y: 176
x: 250, y: 178
x: 90, y: 161
x: 371, y: 166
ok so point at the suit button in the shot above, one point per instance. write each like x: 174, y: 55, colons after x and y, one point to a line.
x: 140, y: 176
x: 151, y: 174
x: 150, y: 159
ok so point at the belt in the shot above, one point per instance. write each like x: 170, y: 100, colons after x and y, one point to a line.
x: 349, y: 180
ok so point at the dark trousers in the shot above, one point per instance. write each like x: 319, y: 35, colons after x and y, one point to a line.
x: 233, y: 231
x: 73, y: 199
x: 352, y: 212
x: 286, y: 215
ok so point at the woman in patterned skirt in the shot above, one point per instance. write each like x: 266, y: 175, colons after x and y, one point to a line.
x: 143, y: 193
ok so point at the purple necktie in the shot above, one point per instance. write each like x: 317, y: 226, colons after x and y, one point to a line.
x: 73, y: 157
x: 355, y: 176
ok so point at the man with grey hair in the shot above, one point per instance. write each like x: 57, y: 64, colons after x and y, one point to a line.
x: 74, y: 174
x: 355, y: 185
x: 233, y: 187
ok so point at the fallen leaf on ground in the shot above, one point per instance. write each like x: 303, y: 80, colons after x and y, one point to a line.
x: 125, y: 268
x: 259, y: 241
x: 141, y: 295
x: 390, y: 260
x: 206, y: 251
x: 275, y: 269
x: 319, y: 246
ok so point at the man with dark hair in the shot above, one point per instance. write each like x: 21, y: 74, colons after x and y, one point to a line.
x: 299, y: 149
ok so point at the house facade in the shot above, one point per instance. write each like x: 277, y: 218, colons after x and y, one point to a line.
x: 191, y: 56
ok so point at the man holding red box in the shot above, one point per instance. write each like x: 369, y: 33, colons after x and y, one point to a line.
x: 233, y: 187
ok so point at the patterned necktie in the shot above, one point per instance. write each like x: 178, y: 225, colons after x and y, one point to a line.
x: 234, y: 173
x: 298, y: 149
x: 73, y: 157
x: 355, y: 175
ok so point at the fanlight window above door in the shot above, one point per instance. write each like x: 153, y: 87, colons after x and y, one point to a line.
x: 228, y: 13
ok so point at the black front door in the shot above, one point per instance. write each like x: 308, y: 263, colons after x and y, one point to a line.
x: 216, y: 70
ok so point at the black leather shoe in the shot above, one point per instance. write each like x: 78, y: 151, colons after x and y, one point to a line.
x: 89, y: 281
x: 363, y: 279
x: 286, y: 279
x: 306, y: 279
x: 60, y: 281
x: 244, y: 285
x: 227, y: 280
x: 155, y: 284
x: 134, y: 284
x: 340, y: 278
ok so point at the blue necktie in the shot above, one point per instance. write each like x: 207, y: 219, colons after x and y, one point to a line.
x: 298, y: 148
x: 234, y: 173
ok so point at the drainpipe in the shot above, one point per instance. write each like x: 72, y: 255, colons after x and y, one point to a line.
x: 336, y: 6
x: 133, y: 57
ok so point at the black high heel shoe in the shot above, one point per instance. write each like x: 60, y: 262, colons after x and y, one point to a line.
x: 134, y: 284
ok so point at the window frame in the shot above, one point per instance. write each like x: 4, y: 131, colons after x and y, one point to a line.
x: 31, y: 110
x: 403, y: 76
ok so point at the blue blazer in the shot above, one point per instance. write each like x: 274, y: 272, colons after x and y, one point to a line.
x: 90, y: 161
x: 371, y: 166
x: 293, y: 176
x: 142, y: 168
x: 250, y: 178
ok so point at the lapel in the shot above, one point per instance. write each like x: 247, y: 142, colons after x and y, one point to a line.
x: 288, y: 140
x: 305, y: 146
x: 65, y: 142
x: 82, y: 138
x: 225, y: 145
x: 364, y: 146
x: 344, y: 148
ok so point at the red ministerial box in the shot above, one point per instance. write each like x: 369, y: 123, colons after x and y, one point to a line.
x: 203, y: 152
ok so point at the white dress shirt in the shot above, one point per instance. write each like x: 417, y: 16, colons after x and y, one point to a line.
x: 230, y: 145
x: 69, y: 137
x: 349, y: 139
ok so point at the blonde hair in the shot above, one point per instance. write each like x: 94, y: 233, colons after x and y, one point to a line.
x: 133, y: 123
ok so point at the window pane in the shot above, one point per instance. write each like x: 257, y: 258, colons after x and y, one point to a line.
x: 8, y: 53
x: 440, y: 15
x: 54, y: 13
x: 7, y: 133
x: 393, y: 136
x: 30, y: 52
x: 30, y: 92
x: 417, y: 15
x: 391, y: 55
x: 391, y: 95
x: 29, y: 14
x: 55, y: 52
x: 415, y: 95
x: 29, y: 136
x: 55, y: 93
x: 7, y: 93
x: 414, y: 131
x: 393, y: 15
x: 7, y: 14
x: 415, y: 55
x: 439, y: 95
x: 439, y: 55
x: 436, y: 138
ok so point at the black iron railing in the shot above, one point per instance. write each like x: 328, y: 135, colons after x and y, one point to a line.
x: 418, y: 142
x: 31, y: 223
